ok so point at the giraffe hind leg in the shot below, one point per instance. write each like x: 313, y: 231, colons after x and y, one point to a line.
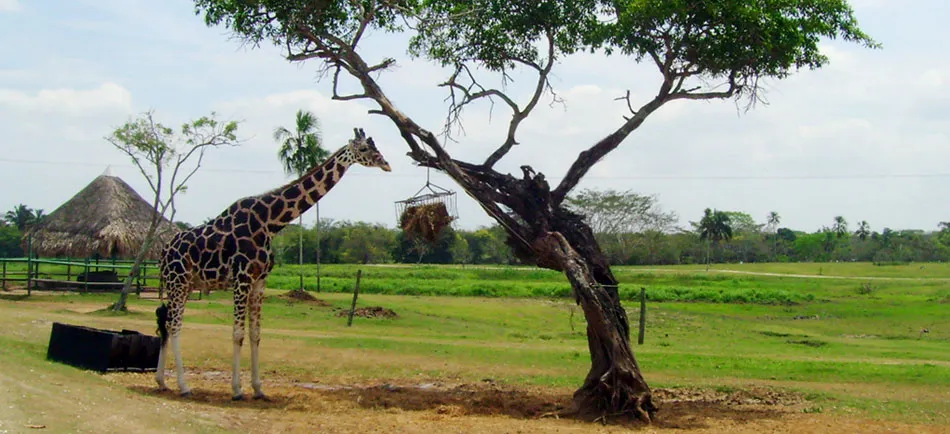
x: 241, y: 295
x: 176, y: 312
x: 255, y: 302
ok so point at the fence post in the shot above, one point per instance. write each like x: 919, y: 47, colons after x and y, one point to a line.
x: 643, y: 314
x: 29, y: 265
x: 85, y: 280
x: 356, y: 293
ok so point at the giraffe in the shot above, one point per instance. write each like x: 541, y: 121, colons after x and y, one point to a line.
x: 234, y: 250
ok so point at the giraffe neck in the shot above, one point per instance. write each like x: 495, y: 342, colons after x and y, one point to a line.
x: 302, y: 193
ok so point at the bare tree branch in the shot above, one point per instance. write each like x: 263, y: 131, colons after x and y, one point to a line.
x: 692, y: 95
x: 518, y: 116
x: 336, y: 94
x: 469, y: 94
x: 626, y: 98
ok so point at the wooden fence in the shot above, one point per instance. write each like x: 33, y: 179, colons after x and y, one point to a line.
x: 64, y: 274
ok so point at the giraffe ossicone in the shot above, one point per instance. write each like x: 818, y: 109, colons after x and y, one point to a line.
x: 234, y: 250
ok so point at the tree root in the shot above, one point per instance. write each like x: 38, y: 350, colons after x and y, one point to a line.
x: 615, y: 394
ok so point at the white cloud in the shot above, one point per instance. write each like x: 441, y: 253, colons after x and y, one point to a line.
x: 835, y: 128
x: 261, y: 115
x: 934, y: 78
x: 107, y: 97
x: 10, y: 6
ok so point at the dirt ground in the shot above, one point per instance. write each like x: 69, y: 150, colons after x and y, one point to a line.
x: 311, y: 406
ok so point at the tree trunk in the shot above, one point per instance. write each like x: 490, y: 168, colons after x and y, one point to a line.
x: 708, y: 244
x: 542, y: 232
x: 614, y: 386
x: 120, y: 305
x: 553, y: 237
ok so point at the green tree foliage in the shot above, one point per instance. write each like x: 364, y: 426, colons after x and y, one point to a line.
x: 840, y: 227
x: 10, y: 238
x: 364, y: 243
x: 623, y: 221
x: 863, y: 231
x: 810, y: 247
x: 742, y: 223
x: 713, y: 228
x: 487, y: 246
x: 442, y: 251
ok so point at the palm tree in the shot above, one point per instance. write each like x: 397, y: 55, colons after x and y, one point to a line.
x: 840, y: 228
x: 864, y: 230
x: 21, y: 216
x: 773, y: 221
x: 300, y: 150
x: 713, y: 228
x: 38, y: 216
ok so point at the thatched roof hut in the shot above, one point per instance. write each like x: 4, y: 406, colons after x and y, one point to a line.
x: 106, y: 218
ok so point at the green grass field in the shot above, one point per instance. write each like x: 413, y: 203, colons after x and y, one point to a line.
x: 849, y: 344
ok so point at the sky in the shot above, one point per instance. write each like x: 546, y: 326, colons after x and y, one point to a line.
x: 866, y: 137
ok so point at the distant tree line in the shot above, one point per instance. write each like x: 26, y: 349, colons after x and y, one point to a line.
x: 633, y: 230
x: 12, y: 226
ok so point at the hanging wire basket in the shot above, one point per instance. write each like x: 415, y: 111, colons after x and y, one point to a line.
x: 427, y: 212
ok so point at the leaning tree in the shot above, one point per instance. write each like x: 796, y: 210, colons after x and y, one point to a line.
x: 702, y: 50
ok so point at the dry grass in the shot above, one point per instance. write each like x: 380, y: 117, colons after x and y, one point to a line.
x: 426, y: 221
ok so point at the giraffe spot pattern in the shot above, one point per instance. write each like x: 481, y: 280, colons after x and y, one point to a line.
x: 292, y: 193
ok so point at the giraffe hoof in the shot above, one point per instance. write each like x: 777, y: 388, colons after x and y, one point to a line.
x: 186, y: 394
x: 238, y: 397
x: 261, y: 397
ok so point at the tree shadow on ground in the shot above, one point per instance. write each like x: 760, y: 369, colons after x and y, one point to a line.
x: 685, y: 408
x: 679, y: 408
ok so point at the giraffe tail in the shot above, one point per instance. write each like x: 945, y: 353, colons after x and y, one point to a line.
x: 162, y: 314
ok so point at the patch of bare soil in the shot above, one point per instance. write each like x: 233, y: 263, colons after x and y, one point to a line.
x: 369, y: 312
x: 298, y: 406
x: 298, y: 295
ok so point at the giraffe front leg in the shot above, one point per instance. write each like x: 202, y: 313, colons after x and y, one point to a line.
x: 241, y: 293
x: 254, y: 324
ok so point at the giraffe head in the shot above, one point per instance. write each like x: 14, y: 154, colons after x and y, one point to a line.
x: 363, y: 150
